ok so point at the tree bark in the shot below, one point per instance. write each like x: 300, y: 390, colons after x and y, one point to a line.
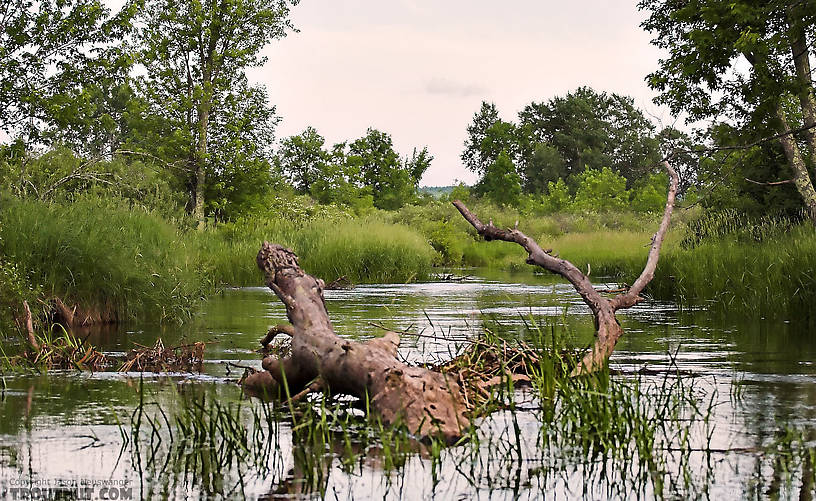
x: 801, y: 176
x: 608, y: 329
x: 428, y: 403
x: 197, y: 206
x: 801, y: 60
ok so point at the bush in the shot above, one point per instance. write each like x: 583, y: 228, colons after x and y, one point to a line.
x: 600, y: 190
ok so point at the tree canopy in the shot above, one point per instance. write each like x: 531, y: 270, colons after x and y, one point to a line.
x: 745, y: 63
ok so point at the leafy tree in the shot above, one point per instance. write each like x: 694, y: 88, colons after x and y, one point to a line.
x: 195, y: 54
x: 472, y: 156
x: 488, y: 136
x: 684, y: 160
x: 558, y: 197
x: 302, y: 158
x: 239, y: 169
x: 585, y: 128
x: 747, y: 62
x: 500, y: 182
x: 736, y: 179
x: 600, y: 190
x: 56, y: 58
x: 418, y: 163
x: 340, y: 181
x: 393, y: 182
x: 542, y: 167
x: 649, y: 195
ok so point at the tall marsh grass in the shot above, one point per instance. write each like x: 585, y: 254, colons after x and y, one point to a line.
x: 772, y: 277
x: 364, y: 250
x: 105, y: 256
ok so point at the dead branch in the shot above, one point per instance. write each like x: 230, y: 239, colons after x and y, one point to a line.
x: 274, y: 331
x: 426, y: 402
x: 608, y: 327
x: 775, y: 183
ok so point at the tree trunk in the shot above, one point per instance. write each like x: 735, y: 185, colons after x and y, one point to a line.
x: 801, y: 60
x: 426, y: 402
x: 608, y: 329
x: 801, y: 176
x: 198, y: 174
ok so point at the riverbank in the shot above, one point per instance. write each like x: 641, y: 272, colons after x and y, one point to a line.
x: 112, y: 261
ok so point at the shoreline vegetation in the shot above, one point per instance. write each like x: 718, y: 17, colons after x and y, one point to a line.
x: 110, y: 260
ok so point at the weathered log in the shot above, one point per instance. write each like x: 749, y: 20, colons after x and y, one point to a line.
x: 428, y: 403
x: 608, y: 329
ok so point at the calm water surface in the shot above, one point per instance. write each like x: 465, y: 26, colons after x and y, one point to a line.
x: 759, y: 376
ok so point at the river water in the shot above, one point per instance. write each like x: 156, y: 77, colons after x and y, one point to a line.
x: 755, y: 379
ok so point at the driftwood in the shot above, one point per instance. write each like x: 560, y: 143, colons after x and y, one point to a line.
x: 428, y: 403
x: 608, y: 329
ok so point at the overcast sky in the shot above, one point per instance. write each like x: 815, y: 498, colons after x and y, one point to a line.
x: 419, y: 69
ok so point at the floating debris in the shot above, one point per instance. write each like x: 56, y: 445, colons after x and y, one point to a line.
x: 486, y: 364
x: 182, y: 358
x: 69, y: 352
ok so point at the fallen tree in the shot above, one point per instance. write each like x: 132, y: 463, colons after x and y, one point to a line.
x: 608, y: 329
x: 428, y: 403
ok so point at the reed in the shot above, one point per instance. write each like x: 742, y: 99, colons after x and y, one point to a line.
x: 104, y: 256
x: 762, y: 269
x: 365, y: 250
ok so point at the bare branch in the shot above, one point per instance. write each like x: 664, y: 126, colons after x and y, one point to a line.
x: 775, y: 183
x: 537, y: 256
x: 630, y: 298
x: 608, y: 328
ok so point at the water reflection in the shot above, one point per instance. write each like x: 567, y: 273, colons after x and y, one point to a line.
x: 759, y: 377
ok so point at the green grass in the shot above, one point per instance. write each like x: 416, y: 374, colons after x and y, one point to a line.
x: 364, y: 250
x: 774, y: 277
x: 104, y: 256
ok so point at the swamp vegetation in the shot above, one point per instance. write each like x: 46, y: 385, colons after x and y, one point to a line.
x: 134, y: 197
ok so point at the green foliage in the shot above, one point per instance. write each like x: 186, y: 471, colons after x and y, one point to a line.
x: 560, y: 138
x: 650, y: 195
x: 585, y: 128
x: 15, y: 289
x: 475, y: 155
x: 393, y: 183
x: 500, y: 182
x: 369, y: 174
x: 196, y: 55
x: 600, y: 190
x: 364, y: 251
x: 105, y: 256
x: 558, y: 197
x: 724, y: 178
x: 59, y: 174
x: 542, y: 167
x: 460, y: 191
x: 48, y: 50
x: 760, y: 267
x: 303, y: 160
x: 704, y: 75
x: 329, y: 242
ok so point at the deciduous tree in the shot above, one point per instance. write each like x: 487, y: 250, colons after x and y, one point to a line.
x: 742, y: 61
x: 195, y: 55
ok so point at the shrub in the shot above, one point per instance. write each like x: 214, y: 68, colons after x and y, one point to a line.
x: 600, y: 190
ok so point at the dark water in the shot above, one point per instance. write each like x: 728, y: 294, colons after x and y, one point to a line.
x: 757, y: 379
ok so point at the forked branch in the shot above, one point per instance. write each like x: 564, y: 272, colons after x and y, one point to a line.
x: 603, y: 309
